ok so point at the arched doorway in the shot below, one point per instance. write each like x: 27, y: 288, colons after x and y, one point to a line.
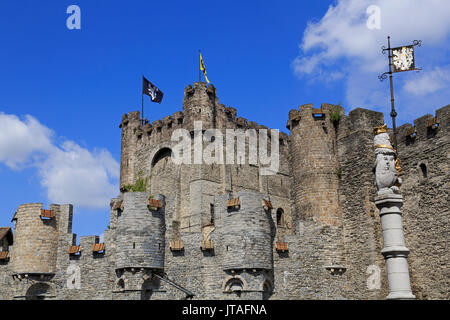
x: 39, y: 291
x: 280, y: 218
x: 267, y: 290
x: 163, y: 173
x: 235, y: 286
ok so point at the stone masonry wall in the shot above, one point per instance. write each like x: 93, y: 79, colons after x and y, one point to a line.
x: 424, y: 158
x: 361, y: 222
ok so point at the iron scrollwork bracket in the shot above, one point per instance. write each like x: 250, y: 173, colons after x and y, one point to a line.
x: 383, y: 76
x: 417, y: 43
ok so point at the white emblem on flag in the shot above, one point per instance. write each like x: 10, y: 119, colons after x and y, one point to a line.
x: 152, y: 92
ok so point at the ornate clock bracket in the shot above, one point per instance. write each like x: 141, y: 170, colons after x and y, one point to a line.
x: 384, y: 76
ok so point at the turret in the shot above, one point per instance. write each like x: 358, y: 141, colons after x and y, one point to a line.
x: 132, y: 131
x: 200, y: 104
x: 35, y: 239
x: 140, y: 232
x: 140, y: 243
x: 314, y: 163
x: 246, y: 232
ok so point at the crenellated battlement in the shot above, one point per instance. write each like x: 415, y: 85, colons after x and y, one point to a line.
x: 199, y: 104
x: 308, y: 114
x: 425, y: 127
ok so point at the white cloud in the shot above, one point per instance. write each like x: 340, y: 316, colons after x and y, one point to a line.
x: 341, y: 43
x: 429, y: 82
x: 342, y: 32
x: 20, y: 139
x: 70, y: 173
x: 73, y: 174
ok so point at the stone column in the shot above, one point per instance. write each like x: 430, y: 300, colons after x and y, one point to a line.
x: 394, y: 250
x: 389, y: 202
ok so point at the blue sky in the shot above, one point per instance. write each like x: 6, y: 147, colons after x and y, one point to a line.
x: 63, y: 92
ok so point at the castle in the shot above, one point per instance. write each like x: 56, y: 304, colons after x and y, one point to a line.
x: 310, y: 230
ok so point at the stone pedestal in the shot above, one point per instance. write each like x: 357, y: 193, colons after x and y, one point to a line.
x: 394, y: 250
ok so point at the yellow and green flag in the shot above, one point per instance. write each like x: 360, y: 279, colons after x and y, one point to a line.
x: 202, y: 66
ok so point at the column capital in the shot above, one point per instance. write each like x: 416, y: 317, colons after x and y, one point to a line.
x: 389, y: 203
x: 395, y: 251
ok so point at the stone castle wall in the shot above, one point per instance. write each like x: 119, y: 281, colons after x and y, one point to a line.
x: 424, y: 158
x: 323, y: 211
x: 361, y: 234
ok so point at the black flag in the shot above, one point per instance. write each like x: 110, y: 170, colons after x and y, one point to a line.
x: 151, y: 90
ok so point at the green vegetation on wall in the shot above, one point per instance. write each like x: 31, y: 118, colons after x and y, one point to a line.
x: 139, y: 186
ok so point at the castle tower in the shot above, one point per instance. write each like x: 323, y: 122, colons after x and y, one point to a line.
x: 315, y: 171
x: 140, y: 232
x: 35, y: 239
x: 314, y: 164
x: 199, y: 104
x: 247, y: 233
x: 140, y: 245
x: 131, y: 126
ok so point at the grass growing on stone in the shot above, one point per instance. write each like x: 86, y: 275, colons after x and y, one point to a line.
x: 139, y: 186
x: 335, y: 115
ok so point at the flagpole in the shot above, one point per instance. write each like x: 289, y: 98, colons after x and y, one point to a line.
x: 393, y: 112
x: 142, y: 96
x: 199, y: 68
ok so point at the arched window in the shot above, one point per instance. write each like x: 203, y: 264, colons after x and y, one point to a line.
x: 234, y: 285
x: 160, y: 155
x: 120, y: 284
x: 280, y: 217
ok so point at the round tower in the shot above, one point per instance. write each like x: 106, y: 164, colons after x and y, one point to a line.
x: 247, y: 234
x: 140, y: 232
x: 199, y: 104
x: 131, y: 126
x: 314, y: 163
x: 35, y: 239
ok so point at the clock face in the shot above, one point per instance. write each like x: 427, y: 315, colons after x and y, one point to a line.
x: 403, y: 58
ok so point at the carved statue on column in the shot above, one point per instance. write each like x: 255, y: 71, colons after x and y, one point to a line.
x: 389, y: 202
x: 387, y: 169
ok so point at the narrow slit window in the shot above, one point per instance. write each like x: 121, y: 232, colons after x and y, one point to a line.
x: 423, y: 167
x: 211, y: 211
